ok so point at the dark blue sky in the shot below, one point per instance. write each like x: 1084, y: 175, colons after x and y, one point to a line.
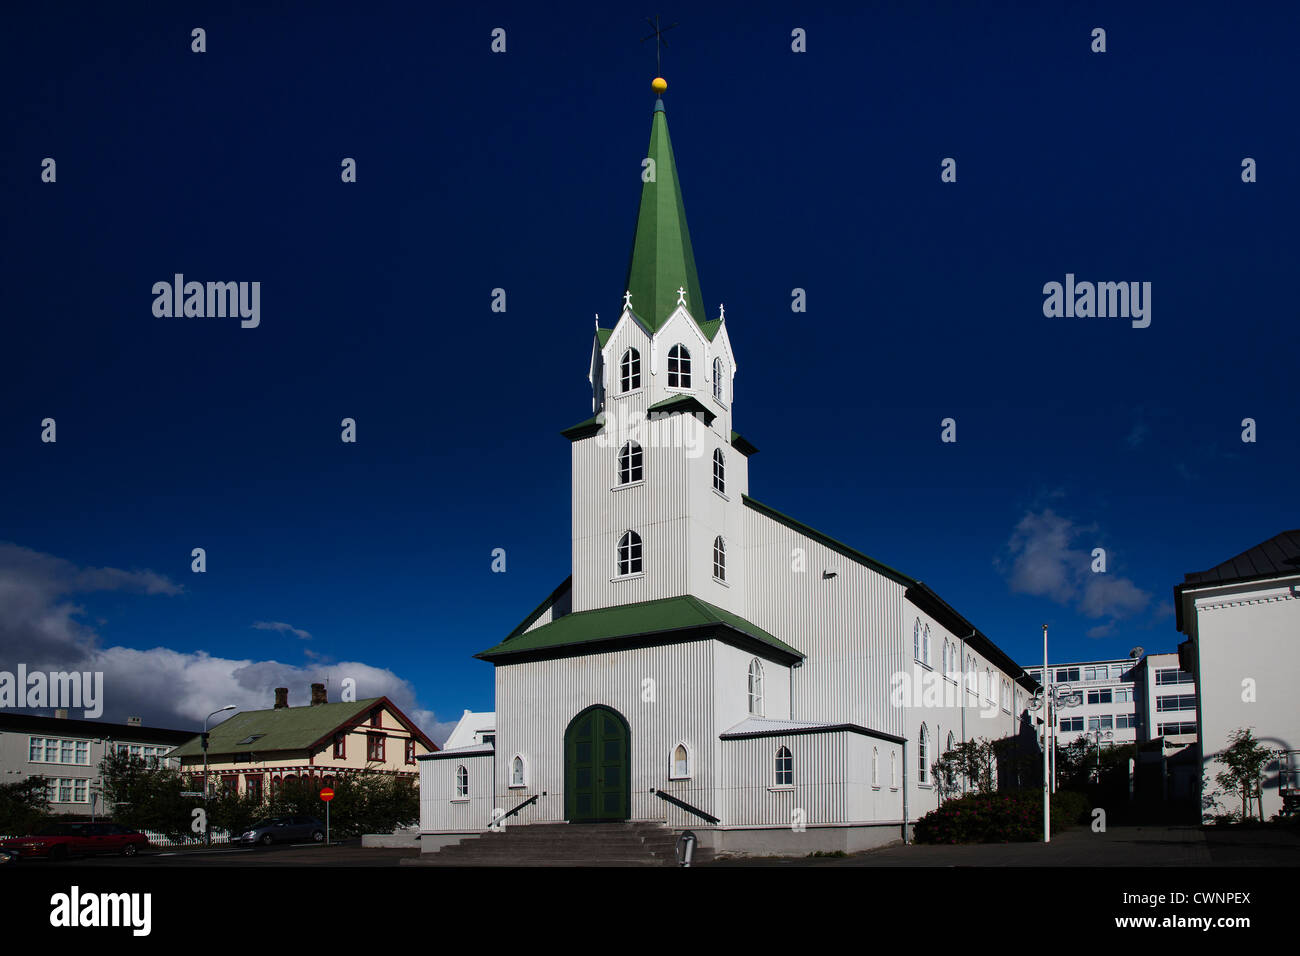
x: 521, y: 171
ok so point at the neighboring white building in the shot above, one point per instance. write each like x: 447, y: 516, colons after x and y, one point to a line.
x: 67, y: 753
x: 1242, y: 621
x: 472, y: 729
x: 712, y: 663
x: 1109, y: 692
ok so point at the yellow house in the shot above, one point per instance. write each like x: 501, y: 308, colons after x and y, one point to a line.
x: 258, y: 751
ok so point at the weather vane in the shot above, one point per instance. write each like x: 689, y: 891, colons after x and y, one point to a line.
x: 660, y: 42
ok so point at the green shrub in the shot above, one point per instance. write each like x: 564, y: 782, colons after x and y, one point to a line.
x: 1014, y: 816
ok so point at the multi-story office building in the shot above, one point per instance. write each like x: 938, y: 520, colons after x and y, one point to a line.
x: 67, y: 753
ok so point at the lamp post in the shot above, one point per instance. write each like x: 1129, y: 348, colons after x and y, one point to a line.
x: 1050, y: 698
x: 207, y: 830
x: 1098, y: 737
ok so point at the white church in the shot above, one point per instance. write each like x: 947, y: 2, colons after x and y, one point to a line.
x: 711, y: 663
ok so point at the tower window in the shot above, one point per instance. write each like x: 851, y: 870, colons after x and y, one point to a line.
x: 717, y: 379
x: 679, y: 367
x: 629, y: 371
x: 631, y: 463
x: 719, y: 471
x: 719, y: 558
x: 756, y: 688
x: 629, y: 553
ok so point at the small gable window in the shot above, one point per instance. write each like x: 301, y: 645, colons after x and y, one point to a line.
x: 784, y: 768
x: 717, y: 379
x: 631, y: 463
x: 629, y: 371
x: 679, y: 367
x: 629, y: 554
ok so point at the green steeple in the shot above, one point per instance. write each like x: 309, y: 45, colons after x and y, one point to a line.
x: 662, y: 260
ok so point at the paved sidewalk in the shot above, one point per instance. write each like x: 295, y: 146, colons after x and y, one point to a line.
x: 1119, y: 846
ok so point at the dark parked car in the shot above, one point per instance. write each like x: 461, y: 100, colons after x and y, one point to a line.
x: 58, y: 841
x: 284, y: 829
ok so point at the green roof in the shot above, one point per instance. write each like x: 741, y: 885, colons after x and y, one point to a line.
x: 685, y: 405
x: 283, y: 728
x: 662, y: 260
x: 602, y: 336
x: 648, y: 620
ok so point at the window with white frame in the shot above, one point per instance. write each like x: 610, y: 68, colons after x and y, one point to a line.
x: 923, y: 756
x: 631, y: 463
x: 717, y: 379
x: 719, y: 471
x: 916, y: 639
x: 784, y: 767
x: 629, y: 371
x: 681, y: 769
x: 629, y: 554
x: 719, y: 558
x: 679, y: 367
x: 462, y: 783
x: 925, y: 644
x: 893, y: 768
x: 875, y: 766
x: 58, y: 750
x: 517, y: 778
x: 756, y: 687
x: 1071, y: 724
x: 1125, y: 721
x: 952, y: 743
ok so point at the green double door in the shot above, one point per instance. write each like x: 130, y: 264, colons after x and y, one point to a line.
x: 597, y: 767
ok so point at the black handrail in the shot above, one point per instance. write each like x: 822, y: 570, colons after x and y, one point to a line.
x: 684, y: 805
x: 498, y: 820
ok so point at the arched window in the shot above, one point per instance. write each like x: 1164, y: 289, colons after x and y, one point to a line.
x: 719, y: 471
x: 923, y: 756
x: 916, y: 639
x: 631, y: 463
x: 517, y: 771
x: 893, y: 768
x: 679, y: 367
x: 925, y: 644
x: 952, y: 742
x: 988, y: 684
x: 462, y: 782
x: 717, y: 379
x: 629, y: 371
x: 681, y: 768
x: 875, y: 766
x: 719, y: 558
x: 629, y: 553
x: 756, y: 688
x: 784, y: 767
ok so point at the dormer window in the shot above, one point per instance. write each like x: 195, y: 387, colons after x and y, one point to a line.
x: 629, y: 554
x: 631, y: 464
x: 629, y: 371
x: 679, y: 367
x: 717, y: 379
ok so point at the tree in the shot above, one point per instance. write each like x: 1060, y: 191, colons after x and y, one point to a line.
x: 1244, y: 760
x: 971, y: 762
x: 145, y: 796
x: 24, y: 806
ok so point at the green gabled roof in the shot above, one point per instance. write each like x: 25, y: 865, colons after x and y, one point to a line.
x: 710, y: 328
x: 602, y: 336
x: 284, y: 728
x: 586, y: 428
x: 741, y: 444
x: 662, y: 260
x: 665, y: 620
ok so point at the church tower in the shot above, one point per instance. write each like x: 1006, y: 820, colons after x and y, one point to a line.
x: 658, y: 472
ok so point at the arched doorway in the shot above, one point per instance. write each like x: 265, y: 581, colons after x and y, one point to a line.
x: 597, y: 767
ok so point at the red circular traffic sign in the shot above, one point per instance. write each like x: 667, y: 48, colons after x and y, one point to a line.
x: 327, y: 794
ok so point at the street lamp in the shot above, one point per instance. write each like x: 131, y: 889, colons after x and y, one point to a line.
x: 207, y: 830
x: 1047, y: 698
x: 1098, y: 737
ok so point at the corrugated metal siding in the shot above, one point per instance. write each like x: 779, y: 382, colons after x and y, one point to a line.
x: 537, y: 700
x: 849, y: 626
x: 439, y: 810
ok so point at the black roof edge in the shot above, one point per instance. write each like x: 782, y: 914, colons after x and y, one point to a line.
x: 800, y: 731
x: 743, y: 445
x: 95, y: 728
x: 453, y: 755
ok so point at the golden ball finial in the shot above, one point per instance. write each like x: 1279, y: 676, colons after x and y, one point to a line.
x: 659, y: 84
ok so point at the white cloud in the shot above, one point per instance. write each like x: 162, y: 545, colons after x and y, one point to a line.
x: 283, y: 628
x: 41, y: 627
x: 1044, y: 561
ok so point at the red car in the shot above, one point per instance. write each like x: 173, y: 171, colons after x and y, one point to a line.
x: 58, y: 841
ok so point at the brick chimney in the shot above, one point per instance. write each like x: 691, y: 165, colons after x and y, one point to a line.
x: 134, y: 721
x: 61, y: 714
x: 281, y: 697
x: 318, y: 694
